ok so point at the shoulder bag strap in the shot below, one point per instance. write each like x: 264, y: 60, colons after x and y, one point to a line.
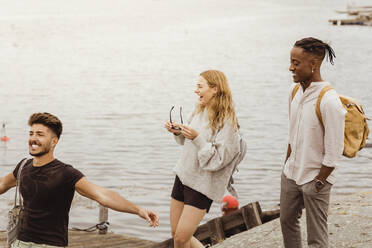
x: 295, y: 89
x: 317, y: 107
x: 17, y: 193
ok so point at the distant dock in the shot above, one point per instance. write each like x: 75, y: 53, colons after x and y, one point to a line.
x: 363, y: 16
x: 356, y: 21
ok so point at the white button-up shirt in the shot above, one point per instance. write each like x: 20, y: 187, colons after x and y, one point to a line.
x: 311, y: 145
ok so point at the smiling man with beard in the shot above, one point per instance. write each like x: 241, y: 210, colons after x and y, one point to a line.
x: 48, y: 186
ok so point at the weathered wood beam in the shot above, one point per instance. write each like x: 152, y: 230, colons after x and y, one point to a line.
x: 267, y: 216
x: 218, y: 229
x: 252, y: 215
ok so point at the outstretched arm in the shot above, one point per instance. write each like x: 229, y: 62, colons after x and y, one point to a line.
x: 113, y: 200
x: 7, y: 182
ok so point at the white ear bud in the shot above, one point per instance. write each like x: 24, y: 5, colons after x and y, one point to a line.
x: 312, y: 70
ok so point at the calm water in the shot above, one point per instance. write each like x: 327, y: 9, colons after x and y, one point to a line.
x: 111, y: 72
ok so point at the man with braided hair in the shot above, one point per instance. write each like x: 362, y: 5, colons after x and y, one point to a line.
x: 314, y: 150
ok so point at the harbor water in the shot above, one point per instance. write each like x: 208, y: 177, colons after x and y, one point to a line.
x: 111, y: 71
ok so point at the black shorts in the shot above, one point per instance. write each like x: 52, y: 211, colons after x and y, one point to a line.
x: 189, y: 196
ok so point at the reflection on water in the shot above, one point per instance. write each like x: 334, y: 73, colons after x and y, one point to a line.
x: 111, y: 72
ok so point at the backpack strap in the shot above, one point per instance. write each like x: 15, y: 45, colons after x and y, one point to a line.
x: 18, y: 184
x: 317, y: 107
x: 295, y: 89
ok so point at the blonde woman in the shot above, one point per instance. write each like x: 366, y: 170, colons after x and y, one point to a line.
x: 210, y: 145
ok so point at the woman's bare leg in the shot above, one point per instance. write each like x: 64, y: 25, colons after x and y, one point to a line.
x: 187, y: 225
x: 176, y: 208
x: 195, y: 243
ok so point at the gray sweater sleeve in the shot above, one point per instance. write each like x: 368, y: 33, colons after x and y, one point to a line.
x: 216, y: 155
x: 180, y: 139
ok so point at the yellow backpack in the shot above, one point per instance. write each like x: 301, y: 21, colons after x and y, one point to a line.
x: 356, y: 126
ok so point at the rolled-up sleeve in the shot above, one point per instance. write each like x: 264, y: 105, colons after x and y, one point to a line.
x: 333, y: 115
x: 215, y: 155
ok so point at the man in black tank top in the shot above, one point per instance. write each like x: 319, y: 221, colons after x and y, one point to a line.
x: 48, y: 186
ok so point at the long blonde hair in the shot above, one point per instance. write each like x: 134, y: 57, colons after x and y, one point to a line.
x: 221, y: 106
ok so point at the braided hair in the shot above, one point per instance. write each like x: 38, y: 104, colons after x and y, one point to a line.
x: 316, y: 47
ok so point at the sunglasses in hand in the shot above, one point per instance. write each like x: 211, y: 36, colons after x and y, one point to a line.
x: 170, y: 118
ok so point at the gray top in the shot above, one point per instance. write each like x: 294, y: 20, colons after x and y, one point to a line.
x: 207, y: 161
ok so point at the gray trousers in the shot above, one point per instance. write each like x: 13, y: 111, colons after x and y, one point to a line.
x: 293, y: 198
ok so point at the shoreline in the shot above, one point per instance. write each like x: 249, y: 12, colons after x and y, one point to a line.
x: 349, y: 225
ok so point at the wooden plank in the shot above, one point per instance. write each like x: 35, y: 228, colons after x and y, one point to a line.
x: 258, y: 208
x: 270, y: 215
x: 233, y: 220
x: 81, y: 239
x: 257, y: 212
x: 165, y: 244
x: 95, y: 240
x: 216, y: 231
x: 202, y: 233
x: 251, y: 215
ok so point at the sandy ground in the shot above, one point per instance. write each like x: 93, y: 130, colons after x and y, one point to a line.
x: 349, y: 225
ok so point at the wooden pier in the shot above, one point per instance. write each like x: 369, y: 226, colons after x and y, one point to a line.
x: 212, y: 232
x: 80, y: 239
x: 97, y: 237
